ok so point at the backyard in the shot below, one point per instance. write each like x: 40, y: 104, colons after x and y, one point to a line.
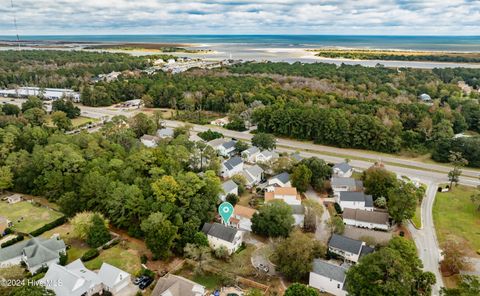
x: 456, y: 216
x: 27, y: 216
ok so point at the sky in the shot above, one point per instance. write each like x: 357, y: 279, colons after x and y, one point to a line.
x: 349, y: 17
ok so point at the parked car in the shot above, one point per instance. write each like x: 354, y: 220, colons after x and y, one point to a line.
x: 139, y: 279
x: 145, y: 283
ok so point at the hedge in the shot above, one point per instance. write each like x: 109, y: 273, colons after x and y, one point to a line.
x: 89, y: 255
x: 12, y: 241
x: 49, y: 226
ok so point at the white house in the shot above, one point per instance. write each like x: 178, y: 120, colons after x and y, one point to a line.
x: 149, y: 141
x: 342, y: 170
x: 232, y: 167
x: 266, y: 155
x: 227, y: 149
x: 327, y: 277
x: 250, y: 154
x: 228, y: 187
x: 349, y: 249
x: 355, y: 200
x: 165, y: 133
x: 366, y: 219
x: 253, y: 175
x: 174, y: 285
x: 36, y: 253
x: 113, y: 279
x: 287, y: 194
x: 75, y: 279
x: 280, y: 180
x: 219, y: 235
x: 14, y: 198
x: 242, y: 217
x: 340, y: 184
x: 215, y: 143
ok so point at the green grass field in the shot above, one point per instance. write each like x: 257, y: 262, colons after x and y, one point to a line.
x: 76, y: 122
x: 33, y: 217
x: 118, y: 256
x: 457, y: 217
x: 417, y: 218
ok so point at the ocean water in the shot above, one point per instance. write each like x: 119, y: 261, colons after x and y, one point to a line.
x: 442, y: 43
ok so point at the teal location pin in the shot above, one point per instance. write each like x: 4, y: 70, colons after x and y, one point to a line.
x: 226, y: 211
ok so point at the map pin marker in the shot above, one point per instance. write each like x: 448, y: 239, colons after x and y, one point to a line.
x: 226, y: 211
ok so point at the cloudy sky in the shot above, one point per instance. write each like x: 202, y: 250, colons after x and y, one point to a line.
x: 379, y: 17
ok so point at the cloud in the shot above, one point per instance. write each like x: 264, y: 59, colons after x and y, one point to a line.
x: 389, y: 17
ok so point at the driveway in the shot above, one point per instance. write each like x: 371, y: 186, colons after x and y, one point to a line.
x: 426, y: 238
x: 380, y: 237
x: 322, y: 232
x: 260, y: 256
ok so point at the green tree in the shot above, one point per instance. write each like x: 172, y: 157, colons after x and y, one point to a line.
x: 66, y: 106
x: 335, y: 223
x: 210, y: 135
x: 378, y: 181
x: 10, y: 109
x: 32, y: 102
x: 294, y: 255
x: 200, y: 254
x: 264, y: 141
x: 97, y: 233
x: 402, y: 201
x: 35, y: 116
x: 232, y: 198
x: 301, y: 176
x: 159, y: 234
x: 298, y: 289
x: 273, y: 219
x: 241, y: 181
x: 61, y: 121
x: 468, y: 286
x: 141, y: 125
x: 166, y: 189
x: 31, y: 290
x: 458, y: 161
x: 241, y: 146
x: 321, y: 171
x: 6, y: 178
x: 454, y: 257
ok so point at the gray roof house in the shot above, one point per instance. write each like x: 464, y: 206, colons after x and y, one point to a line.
x: 219, y: 235
x: 250, y: 154
x: 281, y: 179
x: 233, y: 162
x: 228, y: 187
x: 355, y: 200
x: 165, y: 133
x: 350, y: 249
x: 36, y: 252
x: 174, y: 285
x: 342, y: 169
x: 328, y: 277
x: 231, y: 167
x: 253, y: 175
x: 350, y: 183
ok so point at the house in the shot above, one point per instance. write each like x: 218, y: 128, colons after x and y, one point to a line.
x: 36, y: 253
x: 349, y: 249
x: 219, y: 235
x: 250, y: 155
x: 253, y: 175
x: 328, y: 278
x: 77, y: 280
x: 342, y: 170
x: 215, y: 143
x: 280, y: 180
x: 287, y: 194
x: 266, y: 155
x: 425, y: 98
x: 228, y: 187
x: 340, y: 184
x: 149, y: 141
x: 174, y: 285
x: 232, y: 167
x: 165, y: 133
x: 227, y: 149
x: 113, y: 279
x: 366, y: 219
x: 355, y: 200
x: 4, y: 224
x: 242, y: 217
x: 14, y: 198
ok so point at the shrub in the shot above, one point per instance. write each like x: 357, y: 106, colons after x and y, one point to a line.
x: 12, y: 241
x: 89, y: 255
x: 49, y: 226
x: 338, y: 209
x: 232, y: 198
x: 143, y: 259
x: 63, y: 258
x: 8, y: 231
x: 221, y: 253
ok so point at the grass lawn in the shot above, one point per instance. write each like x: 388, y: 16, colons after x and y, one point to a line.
x: 457, y: 217
x: 209, y: 280
x: 417, y: 218
x: 27, y: 217
x: 119, y: 256
x: 76, y: 122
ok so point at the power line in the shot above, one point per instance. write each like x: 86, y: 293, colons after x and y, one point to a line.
x: 15, y: 22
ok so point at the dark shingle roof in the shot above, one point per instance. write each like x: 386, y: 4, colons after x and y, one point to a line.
x: 356, y: 196
x: 282, y: 177
x: 366, y: 250
x: 344, y: 243
x: 229, y: 185
x: 233, y: 162
x: 339, y: 181
x: 229, y: 144
x: 366, y: 216
x: 368, y: 201
x: 220, y: 231
x: 344, y: 167
x: 329, y: 270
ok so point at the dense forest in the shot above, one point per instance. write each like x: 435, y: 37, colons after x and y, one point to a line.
x: 399, y: 56
x: 373, y: 108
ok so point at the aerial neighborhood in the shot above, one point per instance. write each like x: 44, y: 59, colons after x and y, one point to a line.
x: 148, y: 173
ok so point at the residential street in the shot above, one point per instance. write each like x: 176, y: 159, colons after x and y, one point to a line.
x: 426, y: 238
